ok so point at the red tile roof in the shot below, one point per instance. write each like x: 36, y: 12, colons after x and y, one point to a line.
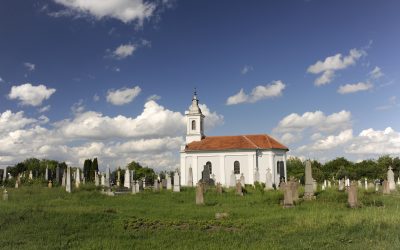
x: 216, y: 143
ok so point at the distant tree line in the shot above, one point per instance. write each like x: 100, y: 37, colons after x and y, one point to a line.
x: 90, y: 167
x: 341, y: 167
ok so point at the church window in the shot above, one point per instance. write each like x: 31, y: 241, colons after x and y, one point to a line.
x: 236, y: 167
x: 209, y: 165
x: 193, y: 125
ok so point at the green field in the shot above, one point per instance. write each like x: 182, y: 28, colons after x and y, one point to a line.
x: 36, y: 217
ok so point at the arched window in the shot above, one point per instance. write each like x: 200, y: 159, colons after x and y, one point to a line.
x: 193, y: 125
x: 209, y: 165
x: 236, y: 167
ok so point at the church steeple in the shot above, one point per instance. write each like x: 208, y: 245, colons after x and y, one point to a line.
x: 194, y: 121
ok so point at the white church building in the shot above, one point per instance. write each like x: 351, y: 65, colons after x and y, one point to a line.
x: 251, y: 156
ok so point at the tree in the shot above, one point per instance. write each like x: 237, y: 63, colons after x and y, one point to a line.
x: 141, y: 172
x: 295, y: 168
x: 87, y: 165
x: 94, y: 168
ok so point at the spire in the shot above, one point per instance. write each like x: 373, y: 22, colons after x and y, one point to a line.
x: 194, y: 108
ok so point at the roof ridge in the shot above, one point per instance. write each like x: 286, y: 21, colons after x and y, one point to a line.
x: 270, y: 145
x: 251, y: 141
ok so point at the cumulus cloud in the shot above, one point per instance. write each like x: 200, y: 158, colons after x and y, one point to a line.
x: 44, y: 109
x: 123, y: 96
x: 124, y: 10
x: 375, y: 142
x: 329, y: 142
x: 30, y: 66
x: 331, y: 64
x: 96, y: 98
x: 212, y: 118
x: 29, y: 94
x: 258, y: 93
x: 352, y: 88
x: 246, y: 69
x: 376, y: 73
x: 152, y: 138
x: 153, y: 98
x: 124, y: 51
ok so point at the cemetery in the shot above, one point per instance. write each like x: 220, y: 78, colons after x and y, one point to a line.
x: 117, y: 210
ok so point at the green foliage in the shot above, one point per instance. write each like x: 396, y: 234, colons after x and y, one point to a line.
x: 141, y: 172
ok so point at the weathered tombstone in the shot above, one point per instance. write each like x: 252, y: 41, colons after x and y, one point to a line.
x: 329, y: 184
x: 398, y: 180
x: 50, y: 185
x: 347, y: 183
x: 370, y: 185
x: 390, y: 177
x: 293, y: 184
x: 365, y: 183
x: 199, y: 194
x: 242, y: 181
x: 352, y: 195
x: 17, y: 184
x: 386, y: 187
x: 127, y: 178
x: 190, y: 177
x: 140, y: 185
x: 257, y: 176
x: 96, y: 179
x: 58, y: 174
x: 239, y: 189
x: 103, y: 179
x: 341, y: 184
x: 64, y: 178
x: 30, y: 175
x: 376, y: 186
x: 219, y: 188
x: 164, y: 183
x: 46, y: 174
x: 5, y: 174
x: 118, y: 178
x: 68, y: 181
x: 156, y: 186
x: 177, y: 185
x: 287, y: 195
x: 233, y: 180
x: 134, y: 187
x: 5, y: 195
x: 315, y: 185
x: 309, y: 187
x: 78, y: 177
x: 323, y: 187
x: 268, y: 180
x: 144, y: 183
x: 169, y: 184
x: 107, y: 180
x: 205, y: 177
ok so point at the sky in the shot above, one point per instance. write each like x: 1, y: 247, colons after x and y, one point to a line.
x: 112, y: 79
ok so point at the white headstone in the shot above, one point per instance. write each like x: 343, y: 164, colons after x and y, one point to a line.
x: 190, y: 177
x: 390, y: 177
x: 68, y: 187
x: 107, y: 180
x: 103, y: 179
x: 341, y: 184
x: 169, y: 184
x: 257, y: 176
x: 30, y: 175
x: 177, y: 186
x: 233, y: 180
x: 268, y: 180
x: 5, y: 174
x: 315, y: 185
x: 127, y: 178
x: 365, y: 184
x: 46, y: 174
x: 64, y: 178
x: 135, y: 187
x: 347, y: 182
x: 242, y: 181
x: 77, y: 177
x: 96, y: 179
x: 329, y: 184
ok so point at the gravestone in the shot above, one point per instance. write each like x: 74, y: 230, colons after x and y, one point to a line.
x: 30, y: 175
x: 78, y: 178
x: 58, y: 174
x: 205, y: 177
x: 169, y: 184
x: 308, y: 189
x: 359, y: 184
x: 390, y: 177
x: 5, y: 195
x: 103, y: 179
x: 219, y: 188
x: 96, y: 179
x: 376, y: 186
x: 46, y: 174
x: 347, y: 182
x: 107, y: 179
x: 287, y: 194
x: 64, y: 178
x: 156, y: 186
x: 5, y: 174
x: 365, y: 184
x: 294, y: 185
x: 233, y: 180
x: 386, y: 187
x: 242, y: 181
x: 118, y: 178
x: 199, y: 194
x: 177, y: 186
x: 190, y: 177
x: 163, y: 183
x: 329, y: 184
x: 68, y: 187
x: 341, y: 184
x: 134, y: 187
x: 127, y: 178
x: 140, y: 185
x: 352, y: 195
x: 370, y: 185
x: 398, y: 180
x: 268, y: 180
x: 257, y: 176
x: 50, y: 185
x: 239, y: 189
x: 315, y: 185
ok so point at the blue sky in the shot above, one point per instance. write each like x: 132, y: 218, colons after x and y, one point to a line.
x: 321, y: 76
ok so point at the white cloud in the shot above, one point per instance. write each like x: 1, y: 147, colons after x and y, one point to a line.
x: 352, y: 88
x: 153, y: 98
x: 123, y: 96
x: 1, y: 79
x: 376, y: 142
x: 246, y: 69
x: 96, y: 98
x: 316, y: 121
x: 333, y: 63
x: 289, y: 138
x: 329, y: 142
x: 258, y: 93
x: 124, y: 10
x: 13, y: 121
x: 30, y: 66
x: 212, y: 118
x: 376, y: 73
x: 31, y: 95
x: 44, y: 109
x: 124, y: 51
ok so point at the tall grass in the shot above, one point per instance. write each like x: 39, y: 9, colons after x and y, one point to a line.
x: 36, y: 217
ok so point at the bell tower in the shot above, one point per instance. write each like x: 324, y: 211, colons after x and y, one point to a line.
x: 194, y: 121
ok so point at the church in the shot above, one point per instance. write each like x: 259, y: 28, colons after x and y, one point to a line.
x: 254, y: 158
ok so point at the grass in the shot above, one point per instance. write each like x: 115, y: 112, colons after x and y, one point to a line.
x: 36, y: 217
